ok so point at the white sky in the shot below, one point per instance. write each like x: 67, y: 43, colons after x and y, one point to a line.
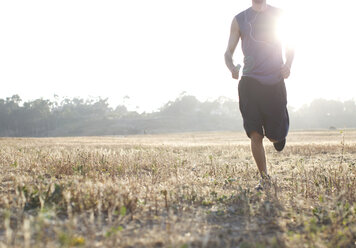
x: 153, y: 50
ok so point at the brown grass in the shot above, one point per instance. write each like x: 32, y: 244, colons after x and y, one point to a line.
x: 181, y: 190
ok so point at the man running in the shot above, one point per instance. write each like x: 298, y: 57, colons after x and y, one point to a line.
x: 262, y: 92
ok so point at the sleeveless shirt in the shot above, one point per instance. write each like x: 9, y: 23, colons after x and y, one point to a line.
x: 260, y: 44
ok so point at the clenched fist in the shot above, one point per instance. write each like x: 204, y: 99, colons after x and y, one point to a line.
x: 236, y: 72
x: 285, y: 71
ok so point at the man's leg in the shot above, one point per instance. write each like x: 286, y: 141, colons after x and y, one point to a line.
x: 276, y: 118
x: 258, y: 152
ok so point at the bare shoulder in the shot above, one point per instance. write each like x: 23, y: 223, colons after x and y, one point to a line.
x: 235, y: 25
x: 234, y: 21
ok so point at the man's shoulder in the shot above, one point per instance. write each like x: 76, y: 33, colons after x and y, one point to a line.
x: 242, y: 13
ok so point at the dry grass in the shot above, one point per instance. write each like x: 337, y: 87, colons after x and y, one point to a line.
x: 182, y: 190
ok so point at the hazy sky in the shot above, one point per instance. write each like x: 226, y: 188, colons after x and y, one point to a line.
x: 153, y: 50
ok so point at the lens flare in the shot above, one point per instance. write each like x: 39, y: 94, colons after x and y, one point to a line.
x: 286, y: 30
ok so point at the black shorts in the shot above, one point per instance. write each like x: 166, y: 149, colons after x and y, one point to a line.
x: 264, y: 108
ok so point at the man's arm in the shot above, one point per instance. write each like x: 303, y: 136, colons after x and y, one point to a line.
x: 288, y: 44
x: 289, y: 56
x: 233, y: 41
x: 285, y: 70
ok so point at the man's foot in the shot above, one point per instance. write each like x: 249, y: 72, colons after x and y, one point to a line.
x: 264, y: 182
x: 279, y: 145
x: 259, y: 186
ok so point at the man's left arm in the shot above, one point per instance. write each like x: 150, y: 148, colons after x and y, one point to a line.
x: 286, y: 67
x: 286, y: 25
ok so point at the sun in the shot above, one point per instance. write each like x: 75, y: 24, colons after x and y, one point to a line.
x: 287, y: 29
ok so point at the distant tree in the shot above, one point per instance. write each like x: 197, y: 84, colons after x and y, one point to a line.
x: 78, y: 116
x: 120, y: 111
x: 37, y: 115
x: 183, y: 105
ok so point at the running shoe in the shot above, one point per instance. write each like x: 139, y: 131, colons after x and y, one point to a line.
x: 279, y: 145
x: 263, y: 183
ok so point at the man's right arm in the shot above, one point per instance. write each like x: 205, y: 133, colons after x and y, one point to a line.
x: 233, y: 41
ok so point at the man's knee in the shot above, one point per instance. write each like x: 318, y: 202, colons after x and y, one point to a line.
x: 256, y: 137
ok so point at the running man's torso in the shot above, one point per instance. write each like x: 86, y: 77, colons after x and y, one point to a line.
x: 261, y: 46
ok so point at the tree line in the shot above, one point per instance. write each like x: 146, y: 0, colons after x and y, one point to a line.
x: 86, y: 117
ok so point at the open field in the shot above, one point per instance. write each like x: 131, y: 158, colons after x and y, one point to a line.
x: 179, y: 190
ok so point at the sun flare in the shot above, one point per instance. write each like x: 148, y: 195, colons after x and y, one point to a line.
x: 286, y: 30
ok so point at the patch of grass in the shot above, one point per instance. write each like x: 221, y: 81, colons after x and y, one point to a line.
x: 176, y: 191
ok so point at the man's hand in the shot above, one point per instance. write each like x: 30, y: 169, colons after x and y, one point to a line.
x: 233, y: 41
x: 235, y: 72
x: 285, y: 70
